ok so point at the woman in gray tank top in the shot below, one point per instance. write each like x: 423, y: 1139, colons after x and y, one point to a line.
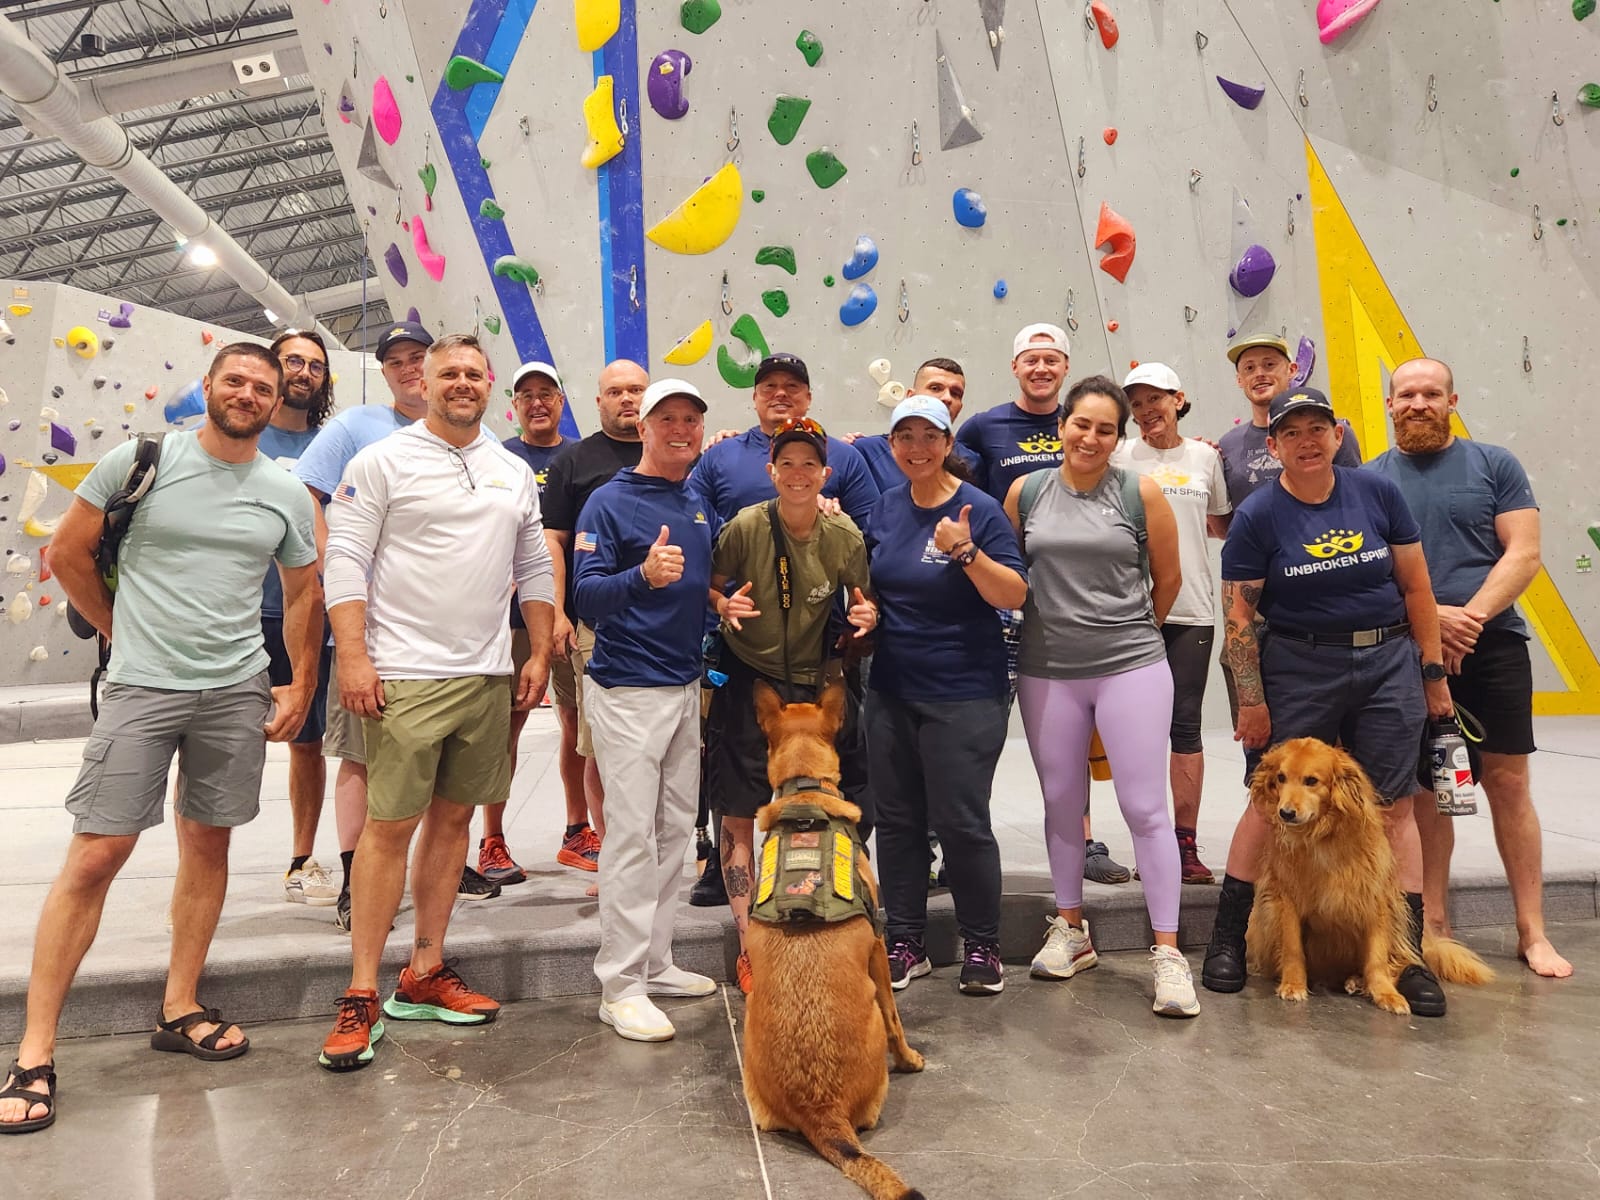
x: 1093, y: 657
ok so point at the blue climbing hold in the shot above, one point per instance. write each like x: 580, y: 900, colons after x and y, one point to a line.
x: 970, y: 210
x: 187, y: 407
x: 860, y: 304
x: 862, y: 259
x: 1000, y: 289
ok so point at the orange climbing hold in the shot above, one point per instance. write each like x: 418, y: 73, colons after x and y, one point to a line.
x: 1113, y: 326
x: 1105, y: 23
x: 1114, y: 229
x: 1110, y: 135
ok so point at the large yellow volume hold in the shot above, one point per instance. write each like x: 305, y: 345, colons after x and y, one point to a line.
x: 706, y: 219
x: 597, y: 21
x: 600, y: 115
x: 692, y: 347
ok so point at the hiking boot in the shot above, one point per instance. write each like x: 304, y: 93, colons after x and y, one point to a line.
x: 496, y: 864
x: 1067, y: 950
x: 1224, y: 966
x: 439, y: 995
x: 1174, y: 983
x: 1194, y: 871
x: 355, y: 1031
x: 981, y: 972
x: 1098, y: 866
x: 1421, y: 989
x: 907, y: 962
x: 708, y: 891
x: 309, y: 884
x: 741, y: 970
x: 580, y: 850
x: 475, y: 887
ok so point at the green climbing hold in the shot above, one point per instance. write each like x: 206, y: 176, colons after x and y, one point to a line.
x: 787, y: 113
x: 490, y: 210
x: 742, y: 375
x: 777, y: 301
x: 411, y: 78
x: 509, y: 266
x: 1561, y: 221
x: 758, y: 195
x: 462, y: 72
x: 1515, y: 171
x: 700, y: 15
x: 484, y: 163
x: 492, y: 324
x: 429, y: 176
x: 777, y: 256
x: 1589, y: 95
x: 827, y: 281
x: 825, y: 167
x: 1582, y: 9
x: 810, y: 46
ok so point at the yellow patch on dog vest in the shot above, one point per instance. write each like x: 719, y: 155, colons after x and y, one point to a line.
x: 769, y: 870
x: 844, y: 867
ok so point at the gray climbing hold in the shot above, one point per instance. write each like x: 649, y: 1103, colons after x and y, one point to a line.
x: 994, y: 12
x: 955, y: 114
x: 367, y: 162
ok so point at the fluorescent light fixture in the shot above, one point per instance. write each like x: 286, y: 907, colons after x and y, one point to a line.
x: 202, y: 256
x: 270, y: 315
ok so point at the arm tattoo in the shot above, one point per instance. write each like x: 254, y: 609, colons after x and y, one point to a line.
x: 1241, y: 649
x: 737, y: 880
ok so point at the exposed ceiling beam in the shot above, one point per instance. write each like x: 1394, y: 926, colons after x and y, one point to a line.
x: 186, y: 75
x: 193, y: 110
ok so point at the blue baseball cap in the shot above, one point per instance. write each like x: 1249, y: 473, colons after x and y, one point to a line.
x: 1296, y: 400
x: 928, y: 408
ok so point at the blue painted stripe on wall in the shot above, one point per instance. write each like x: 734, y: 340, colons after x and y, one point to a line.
x: 622, y: 202
x: 502, y: 49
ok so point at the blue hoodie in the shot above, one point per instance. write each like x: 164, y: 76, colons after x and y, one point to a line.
x: 643, y: 636
x: 733, y: 475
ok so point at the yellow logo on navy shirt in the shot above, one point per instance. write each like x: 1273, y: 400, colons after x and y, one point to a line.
x: 1334, y: 542
x: 700, y: 518
x: 1040, y: 443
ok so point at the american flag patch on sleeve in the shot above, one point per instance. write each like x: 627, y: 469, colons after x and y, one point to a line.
x: 345, y: 491
x: 583, y: 542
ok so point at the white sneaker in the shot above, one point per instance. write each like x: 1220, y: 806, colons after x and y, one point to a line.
x: 637, y: 1019
x: 675, y: 981
x: 310, y: 885
x: 1174, y: 983
x: 1065, y: 952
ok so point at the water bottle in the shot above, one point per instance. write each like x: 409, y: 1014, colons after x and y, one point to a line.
x: 1454, y: 791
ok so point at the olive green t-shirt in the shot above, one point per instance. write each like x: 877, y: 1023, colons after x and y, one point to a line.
x: 833, y: 557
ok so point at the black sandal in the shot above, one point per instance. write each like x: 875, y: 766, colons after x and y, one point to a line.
x: 173, y: 1035
x: 18, y: 1091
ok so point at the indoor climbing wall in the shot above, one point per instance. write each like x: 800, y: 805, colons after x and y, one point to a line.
x: 79, y: 374
x: 869, y: 185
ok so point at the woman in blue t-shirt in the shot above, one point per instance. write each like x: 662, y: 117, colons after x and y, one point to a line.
x: 943, y: 557
x: 1332, y: 558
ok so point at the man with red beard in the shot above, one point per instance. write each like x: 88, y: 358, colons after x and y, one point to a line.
x: 1480, y: 535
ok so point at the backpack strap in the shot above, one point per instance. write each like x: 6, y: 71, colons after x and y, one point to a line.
x: 1032, y: 484
x: 1133, y: 508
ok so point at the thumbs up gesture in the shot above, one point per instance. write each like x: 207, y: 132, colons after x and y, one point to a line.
x: 863, y: 613
x: 663, y: 565
x: 739, y: 605
x: 950, y: 536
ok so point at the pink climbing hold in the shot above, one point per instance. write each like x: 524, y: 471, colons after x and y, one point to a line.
x: 432, y: 263
x: 1106, y: 23
x: 385, y: 112
x: 1336, y: 17
x: 1113, y: 228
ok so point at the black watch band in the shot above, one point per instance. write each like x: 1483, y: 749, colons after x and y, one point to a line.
x: 1433, y: 672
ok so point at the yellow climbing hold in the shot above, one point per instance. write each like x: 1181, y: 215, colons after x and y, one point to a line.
x: 600, y: 115
x: 692, y: 347
x: 36, y: 528
x: 597, y: 21
x: 706, y: 219
x: 68, y: 475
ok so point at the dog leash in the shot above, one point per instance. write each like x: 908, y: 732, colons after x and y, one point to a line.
x: 1471, y: 728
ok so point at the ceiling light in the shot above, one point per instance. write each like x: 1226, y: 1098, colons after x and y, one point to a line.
x: 202, y: 256
x: 270, y: 315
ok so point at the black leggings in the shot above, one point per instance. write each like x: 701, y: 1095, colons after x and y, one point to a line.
x: 1189, y: 656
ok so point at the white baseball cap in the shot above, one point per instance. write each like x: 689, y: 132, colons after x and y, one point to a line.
x: 1153, y: 374
x: 537, y: 368
x: 663, y: 389
x: 1025, y: 340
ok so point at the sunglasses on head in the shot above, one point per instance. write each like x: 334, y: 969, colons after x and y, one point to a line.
x: 799, y: 425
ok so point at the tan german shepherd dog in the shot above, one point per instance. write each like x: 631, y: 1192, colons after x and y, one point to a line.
x: 821, y: 1014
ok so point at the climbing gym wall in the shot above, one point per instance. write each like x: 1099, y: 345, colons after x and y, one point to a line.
x: 869, y: 185
x: 79, y: 374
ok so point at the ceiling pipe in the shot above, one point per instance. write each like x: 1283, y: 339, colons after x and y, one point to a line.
x: 44, y: 95
x: 168, y: 80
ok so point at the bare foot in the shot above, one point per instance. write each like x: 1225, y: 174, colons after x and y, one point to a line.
x: 201, y: 1030
x: 14, y: 1110
x: 1542, y: 959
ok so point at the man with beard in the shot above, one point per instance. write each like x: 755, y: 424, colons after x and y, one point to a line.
x: 188, y: 676
x: 1480, y: 535
x: 437, y: 520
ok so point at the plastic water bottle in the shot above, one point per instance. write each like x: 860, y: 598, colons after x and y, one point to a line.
x: 1454, y: 792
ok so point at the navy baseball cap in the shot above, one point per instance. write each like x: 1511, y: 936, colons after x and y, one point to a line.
x: 402, y: 331
x: 792, y: 363
x: 1297, y: 400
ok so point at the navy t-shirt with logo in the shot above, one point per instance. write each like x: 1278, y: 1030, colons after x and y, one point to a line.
x: 1247, y: 464
x: 1009, y: 442
x: 538, y: 460
x: 1328, y: 567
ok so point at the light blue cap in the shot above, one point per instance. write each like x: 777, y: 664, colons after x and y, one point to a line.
x: 927, y: 407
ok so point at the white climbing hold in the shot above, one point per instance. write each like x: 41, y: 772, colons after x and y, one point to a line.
x: 879, y: 369
x: 33, y: 494
x: 38, y: 654
x: 19, y: 564
x: 20, y: 608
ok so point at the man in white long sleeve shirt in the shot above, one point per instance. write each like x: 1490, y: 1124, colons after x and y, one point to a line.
x: 427, y: 533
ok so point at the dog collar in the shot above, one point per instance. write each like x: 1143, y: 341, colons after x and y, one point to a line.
x: 805, y: 783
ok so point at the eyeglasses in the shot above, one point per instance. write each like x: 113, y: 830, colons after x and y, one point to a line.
x: 293, y: 362
x: 463, y: 472
x: 799, y: 425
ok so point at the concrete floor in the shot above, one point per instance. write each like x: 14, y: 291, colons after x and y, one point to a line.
x: 1047, y: 1090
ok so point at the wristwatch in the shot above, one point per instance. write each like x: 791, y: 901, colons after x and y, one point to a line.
x: 1433, y: 672
x: 964, y: 558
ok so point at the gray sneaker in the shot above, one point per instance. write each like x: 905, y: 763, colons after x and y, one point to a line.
x: 1098, y: 866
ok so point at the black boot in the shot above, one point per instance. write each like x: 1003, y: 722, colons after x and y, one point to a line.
x: 708, y: 891
x: 1224, y: 969
x: 1417, y: 984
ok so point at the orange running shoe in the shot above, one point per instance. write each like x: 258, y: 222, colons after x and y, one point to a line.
x: 439, y: 996
x: 496, y: 864
x: 581, y: 851
x: 742, y: 970
x: 355, y: 1031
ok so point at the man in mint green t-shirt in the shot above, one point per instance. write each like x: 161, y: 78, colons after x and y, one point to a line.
x: 188, y: 675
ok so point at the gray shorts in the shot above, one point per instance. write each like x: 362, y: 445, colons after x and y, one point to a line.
x: 216, y: 734
x: 342, y: 736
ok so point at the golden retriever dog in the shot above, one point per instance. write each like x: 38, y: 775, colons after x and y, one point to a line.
x: 821, y: 1014
x: 1329, y: 909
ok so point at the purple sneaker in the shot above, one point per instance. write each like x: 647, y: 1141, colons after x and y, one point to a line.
x: 981, y: 973
x: 906, y: 962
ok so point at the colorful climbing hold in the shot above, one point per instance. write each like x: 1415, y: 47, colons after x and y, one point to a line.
x: 1113, y: 326
x: 1335, y: 17
x: 385, y: 111
x: 742, y: 374
x: 1109, y: 135
x: 1001, y: 288
x: 970, y: 210
x: 396, y: 262
x: 1305, y: 360
x: 123, y: 319
x: 1515, y: 171
x: 429, y: 174
x: 62, y: 438
x: 664, y: 83
x: 692, y: 347
x: 827, y: 281
x: 1104, y: 22
x: 1113, y: 229
x: 431, y: 262
x: 491, y: 211
x: 758, y: 195
x: 207, y: 337
x: 1253, y: 272
x: 860, y: 304
x: 810, y: 46
x: 461, y: 72
x: 84, y: 341
x: 825, y: 167
x: 600, y: 117
x: 492, y: 324
x: 1589, y: 95
x: 862, y: 258
x: 1561, y: 220
x: 699, y: 15
x: 777, y: 256
x: 1242, y: 94
x: 187, y: 406
x: 704, y: 220
x: 777, y: 301
x: 597, y: 22
x: 1582, y: 9
x: 787, y: 113
x: 484, y: 163
x: 509, y: 266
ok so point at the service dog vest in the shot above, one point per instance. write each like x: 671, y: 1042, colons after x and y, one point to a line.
x: 811, y: 866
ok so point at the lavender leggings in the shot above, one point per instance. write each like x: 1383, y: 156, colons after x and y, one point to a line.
x: 1132, y: 711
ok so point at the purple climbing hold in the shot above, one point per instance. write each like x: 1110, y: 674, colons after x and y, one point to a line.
x: 62, y: 438
x: 396, y: 262
x: 664, y: 84
x: 124, y: 319
x: 1253, y: 271
x: 1305, y: 360
x: 1242, y: 94
x: 413, y: 315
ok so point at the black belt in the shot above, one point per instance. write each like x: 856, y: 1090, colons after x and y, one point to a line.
x: 1357, y: 638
